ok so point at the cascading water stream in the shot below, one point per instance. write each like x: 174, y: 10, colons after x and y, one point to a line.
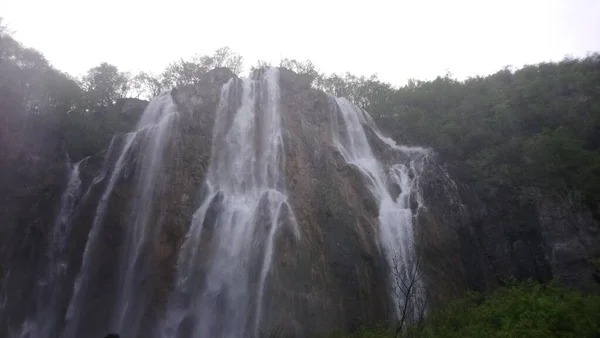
x: 245, y: 188
x: 396, y: 218
x: 50, y: 285
x: 151, y: 134
x: 158, y: 125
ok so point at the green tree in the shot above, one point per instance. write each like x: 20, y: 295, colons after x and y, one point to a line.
x: 260, y: 64
x: 29, y: 80
x: 104, y: 85
x: 146, y: 85
x: 190, y: 72
x: 225, y: 57
x: 300, y: 67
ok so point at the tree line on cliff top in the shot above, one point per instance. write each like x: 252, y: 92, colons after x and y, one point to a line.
x: 524, y: 132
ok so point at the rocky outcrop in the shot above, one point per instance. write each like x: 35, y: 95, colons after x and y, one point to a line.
x: 571, y: 240
x: 476, y: 244
x: 130, y: 109
x: 334, y: 277
x: 32, y: 175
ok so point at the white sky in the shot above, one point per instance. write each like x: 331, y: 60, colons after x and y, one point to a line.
x: 397, y: 40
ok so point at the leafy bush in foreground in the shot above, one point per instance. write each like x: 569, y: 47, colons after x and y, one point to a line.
x: 526, y: 309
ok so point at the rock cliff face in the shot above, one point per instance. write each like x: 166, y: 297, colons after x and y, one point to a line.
x: 484, y: 243
x: 331, y: 275
x: 32, y: 175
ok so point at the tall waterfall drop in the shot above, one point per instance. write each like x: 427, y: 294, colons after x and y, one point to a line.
x: 53, y: 281
x: 396, y: 218
x: 149, y: 138
x: 244, y: 206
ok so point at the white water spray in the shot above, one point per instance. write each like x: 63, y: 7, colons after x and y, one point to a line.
x: 246, y: 187
x: 396, y: 218
x: 151, y: 134
x: 49, y: 286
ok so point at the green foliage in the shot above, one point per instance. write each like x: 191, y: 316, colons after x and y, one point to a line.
x: 596, y: 264
x: 536, y: 127
x: 104, y: 85
x: 189, y: 72
x: 87, y: 134
x: 526, y: 309
x: 225, y: 57
x: 519, y: 310
x: 146, y: 85
x: 379, y: 331
x: 85, y: 113
x: 33, y: 92
x: 30, y: 83
x: 367, y: 93
x: 260, y: 64
x: 300, y: 67
x: 558, y: 160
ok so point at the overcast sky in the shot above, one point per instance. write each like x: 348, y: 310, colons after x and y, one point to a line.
x: 397, y: 40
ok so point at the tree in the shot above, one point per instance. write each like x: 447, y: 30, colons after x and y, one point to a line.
x: 368, y: 93
x: 302, y: 67
x: 185, y: 72
x: 190, y: 72
x: 104, y: 85
x: 407, y: 287
x: 225, y: 57
x: 260, y: 64
x: 28, y: 79
x: 146, y: 85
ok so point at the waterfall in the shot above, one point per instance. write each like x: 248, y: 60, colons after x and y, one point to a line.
x: 149, y: 139
x: 178, y: 234
x: 396, y: 218
x: 155, y: 128
x: 50, y: 285
x: 245, y: 188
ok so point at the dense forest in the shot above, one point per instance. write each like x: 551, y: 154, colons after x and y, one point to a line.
x: 512, y: 135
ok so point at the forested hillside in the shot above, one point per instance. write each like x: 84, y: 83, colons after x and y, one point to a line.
x: 522, y: 132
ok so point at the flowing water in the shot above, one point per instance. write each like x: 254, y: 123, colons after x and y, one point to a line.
x: 151, y: 134
x: 224, y: 263
x: 51, y: 284
x: 396, y: 217
x: 245, y: 190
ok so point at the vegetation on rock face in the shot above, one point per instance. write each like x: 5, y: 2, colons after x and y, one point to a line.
x: 517, y: 310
